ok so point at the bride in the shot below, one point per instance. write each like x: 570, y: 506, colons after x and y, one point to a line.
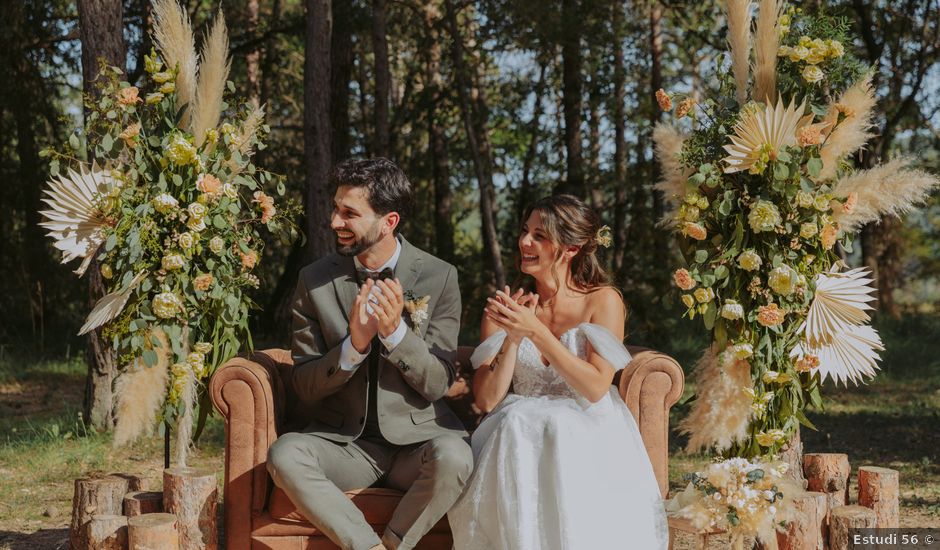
x: 559, y: 459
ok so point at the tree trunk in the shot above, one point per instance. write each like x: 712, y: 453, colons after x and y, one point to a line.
x: 102, y: 35
x: 317, y: 146
x: 592, y: 180
x: 341, y: 61
x: 571, y: 89
x: 192, y: 496
x: 656, y: 82
x: 479, y: 150
x: 253, y: 57
x: 620, y: 145
x: 382, y: 76
x: 878, y: 489
x: 437, y: 138
x: 525, y: 196
x: 94, y: 496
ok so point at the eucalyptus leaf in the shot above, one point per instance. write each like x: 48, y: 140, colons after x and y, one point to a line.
x: 814, y: 166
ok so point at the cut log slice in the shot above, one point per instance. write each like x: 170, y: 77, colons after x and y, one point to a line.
x: 878, y: 489
x: 101, y: 496
x: 844, y: 518
x: 807, y: 529
x: 153, y: 532
x: 142, y: 502
x: 193, y: 496
x: 106, y: 532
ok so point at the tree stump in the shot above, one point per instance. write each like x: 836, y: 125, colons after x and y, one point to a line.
x: 193, y: 496
x: 106, y: 532
x: 153, y: 532
x: 842, y: 519
x: 828, y: 473
x: 134, y: 482
x: 806, y: 530
x: 142, y: 502
x: 878, y: 489
x: 94, y: 496
x: 792, y: 454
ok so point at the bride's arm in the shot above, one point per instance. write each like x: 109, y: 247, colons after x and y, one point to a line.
x: 592, y: 377
x: 491, y: 381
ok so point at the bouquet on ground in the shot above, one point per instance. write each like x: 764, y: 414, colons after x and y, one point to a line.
x: 171, y: 211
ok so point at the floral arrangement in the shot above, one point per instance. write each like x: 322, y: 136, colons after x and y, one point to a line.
x: 171, y: 208
x: 763, y: 197
x: 736, y: 495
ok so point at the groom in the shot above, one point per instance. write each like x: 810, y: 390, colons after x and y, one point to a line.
x: 374, y: 341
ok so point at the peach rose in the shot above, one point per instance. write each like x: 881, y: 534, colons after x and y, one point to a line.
x: 828, y: 236
x: 695, y: 231
x: 683, y: 279
x: 850, y: 202
x: 267, y: 206
x: 130, y: 134
x: 810, y: 134
x: 770, y: 315
x: 685, y: 106
x: 665, y: 102
x: 807, y: 363
x: 128, y: 96
x: 203, y: 282
x: 209, y: 184
x: 248, y: 260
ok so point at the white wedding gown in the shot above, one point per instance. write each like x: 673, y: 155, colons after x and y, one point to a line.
x: 553, y: 471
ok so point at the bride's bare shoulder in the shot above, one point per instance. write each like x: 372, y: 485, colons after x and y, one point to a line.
x: 607, y: 302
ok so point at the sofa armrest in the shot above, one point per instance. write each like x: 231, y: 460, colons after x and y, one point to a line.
x: 248, y: 392
x: 650, y: 385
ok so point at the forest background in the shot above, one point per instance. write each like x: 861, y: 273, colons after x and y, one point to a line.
x: 486, y: 105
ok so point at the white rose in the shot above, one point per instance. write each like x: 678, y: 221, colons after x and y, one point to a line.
x: 732, y: 310
x: 216, y: 244
x: 165, y: 203
x: 197, y: 210
x: 196, y: 224
x: 229, y: 190
x: 172, y: 262
x: 166, y: 305
x: 186, y: 240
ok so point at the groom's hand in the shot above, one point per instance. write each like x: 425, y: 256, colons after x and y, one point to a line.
x: 362, y: 326
x: 391, y: 302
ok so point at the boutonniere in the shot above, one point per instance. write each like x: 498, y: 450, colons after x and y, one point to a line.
x: 417, y: 308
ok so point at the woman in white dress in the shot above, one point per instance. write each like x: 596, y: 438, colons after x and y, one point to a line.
x: 559, y: 463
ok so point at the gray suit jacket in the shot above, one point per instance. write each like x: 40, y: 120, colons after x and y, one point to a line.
x: 412, y: 378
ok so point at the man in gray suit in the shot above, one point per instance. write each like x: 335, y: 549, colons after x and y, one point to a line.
x: 374, y: 342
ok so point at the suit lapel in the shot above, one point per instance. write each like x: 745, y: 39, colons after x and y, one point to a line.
x: 344, y: 282
x: 408, y: 268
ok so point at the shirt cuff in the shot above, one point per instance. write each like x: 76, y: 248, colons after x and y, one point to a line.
x: 349, y: 357
x: 396, y: 337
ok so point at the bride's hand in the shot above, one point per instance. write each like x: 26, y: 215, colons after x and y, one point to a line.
x: 515, y: 314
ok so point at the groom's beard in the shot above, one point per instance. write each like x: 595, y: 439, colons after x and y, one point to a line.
x: 361, y: 244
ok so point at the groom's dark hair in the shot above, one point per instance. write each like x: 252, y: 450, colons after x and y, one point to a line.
x: 388, y: 187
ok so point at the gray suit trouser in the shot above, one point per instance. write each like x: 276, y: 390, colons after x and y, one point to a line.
x: 314, y: 472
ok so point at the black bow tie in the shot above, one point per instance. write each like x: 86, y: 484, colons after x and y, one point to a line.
x: 364, y: 274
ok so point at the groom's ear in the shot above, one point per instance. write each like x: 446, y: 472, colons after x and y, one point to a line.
x: 391, y: 221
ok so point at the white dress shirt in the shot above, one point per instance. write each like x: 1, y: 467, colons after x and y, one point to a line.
x: 349, y: 357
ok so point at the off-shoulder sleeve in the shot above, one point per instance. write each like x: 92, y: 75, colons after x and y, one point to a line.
x: 487, y: 349
x: 606, y: 345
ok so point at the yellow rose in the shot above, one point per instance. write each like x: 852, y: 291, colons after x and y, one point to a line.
x: 784, y: 51
x: 202, y: 347
x: 689, y: 213
x: 808, y: 230
x: 804, y: 199
x: 764, y: 216
x: 162, y: 77
x: 154, y: 98
x: 186, y: 240
x: 834, y: 48
x: 688, y: 300
x: 821, y: 203
x: 166, y: 305
x: 702, y: 203
x: 692, y: 197
x: 749, y: 260
x: 704, y: 295
x: 774, y: 377
x: 216, y: 244
x: 782, y: 280
x: 799, y: 53
x: 106, y: 271
x: 180, y: 151
x: 168, y: 88
x: 812, y: 74
x: 197, y: 210
x: 769, y: 438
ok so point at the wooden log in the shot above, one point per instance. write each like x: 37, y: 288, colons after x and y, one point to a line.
x: 134, y: 482
x: 878, y: 489
x: 142, y: 502
x: 157, y: 531
x: 828, y: 473
x: 106, y: 532
x: 193, y: 496
x: 842, y: 519
x: 102, y: 496
x: 807, y: 529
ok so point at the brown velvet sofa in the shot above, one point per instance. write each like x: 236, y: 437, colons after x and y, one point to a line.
x: 255, y: 398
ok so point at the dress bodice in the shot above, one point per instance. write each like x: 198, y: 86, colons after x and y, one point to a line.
x: 532, y: 377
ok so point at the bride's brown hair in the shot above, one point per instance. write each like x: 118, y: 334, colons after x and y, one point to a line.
x: 568, y: 221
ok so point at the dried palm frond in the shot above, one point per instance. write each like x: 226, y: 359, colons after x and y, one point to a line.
x: 763, y: 129
x: 890, y: 188
x: 213, y: 73
x: 766, y: 44
x: 839, y: 303
x: 139, y: 393
x: 74, y: 222
x: 110, y: 305
x: 847, y: 137
x: 721, y: 413
x: 668, y: 143
x: 739, y: 39
x: 850, y: 355
x: 173, y: 35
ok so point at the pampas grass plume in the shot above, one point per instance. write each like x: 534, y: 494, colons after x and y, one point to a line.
x: 246, y: 134
x: 739, y: 39
x: 213, y: 73
x: 668, y: 143
x: 173, y: 34
x: 139, y: 393
x: 721, y: 414
x: 184, y: 426
x: 890, y: 188
x: 766, y: 43
x: 852, y: 133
